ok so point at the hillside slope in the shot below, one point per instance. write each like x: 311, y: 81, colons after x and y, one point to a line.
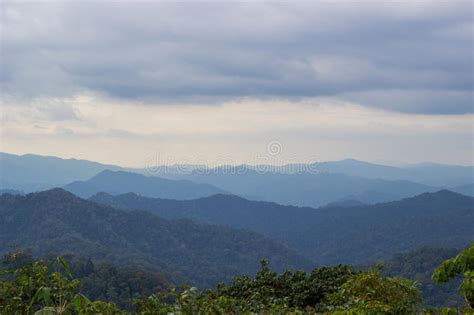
x: 307, y: 189
x: 32, y: 172
x: 117, y: 182
x: 56, y: 221
x: 330, y: 235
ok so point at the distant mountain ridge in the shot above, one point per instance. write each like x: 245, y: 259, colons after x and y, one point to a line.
x: 330, y: 235
x: 431, y: 174
x: 31, y: 172
x: 467, y: 190
x: 11, y: 192
x: 57, y: 221
x: 307, y: 189
x: 117, y: 182
x: 312, y: 185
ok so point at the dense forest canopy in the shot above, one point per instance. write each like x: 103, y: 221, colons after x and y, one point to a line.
x: 329, y: 235
x: 56, y: 221
x: 29, y: 286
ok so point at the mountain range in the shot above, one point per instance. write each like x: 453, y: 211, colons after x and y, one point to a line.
x: 32, y: 172
x: 307, y: 189
x: 117, y: 182
x: 289, y: 189
x: 56, y: 221
x: 329, y: 235
x: 347, y: 181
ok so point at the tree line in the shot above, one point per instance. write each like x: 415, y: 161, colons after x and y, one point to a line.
x: 29, y: 286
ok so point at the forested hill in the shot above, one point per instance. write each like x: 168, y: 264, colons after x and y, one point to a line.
x: 312, y: 189
x: 56, y: 221
x: 220, y: 209
x: 331, y: 235
x: 32, y: 172
x: 419, y: 265
x: 118, y: 182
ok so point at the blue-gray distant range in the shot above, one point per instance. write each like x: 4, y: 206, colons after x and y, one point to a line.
x: 347, y: 182
x: 119, y: 182
x: 329, y: 235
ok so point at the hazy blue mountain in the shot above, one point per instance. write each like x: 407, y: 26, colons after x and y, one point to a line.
x: 307, y: 189
x: 430, y: 174
x: 220, y: 209
x: 345, y: 203
x: 440, y: 174
x: 425, y: 173
x: 56, y: 221
x: 118, y: 182
x: 371, y: 197
x: 288, y: 184
x: 31, y: 172
x: 467, y: 190
x: 11, y: 192
x: 330, y: 235
x: 360, y: 168
x: 352, y: 235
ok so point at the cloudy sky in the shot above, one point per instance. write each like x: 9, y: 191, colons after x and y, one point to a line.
x: 217, y: 82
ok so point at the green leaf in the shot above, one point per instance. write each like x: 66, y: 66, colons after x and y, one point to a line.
x: 43, y: 293
x: 66, y: 268
x: 80, y: 301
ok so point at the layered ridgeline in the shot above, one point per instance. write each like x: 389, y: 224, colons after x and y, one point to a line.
x: 312, y: 189
x: 431, y: 174
x: 31, y: 172
x: 296, y: 184
x: 330, y: 235
x: 56, y: 221
x: 294, y: 189
x: 117, y: 182
x: 467, y: 190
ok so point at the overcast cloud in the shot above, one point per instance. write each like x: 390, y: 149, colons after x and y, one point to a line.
x: 399, y: 55
x: 215, y: 82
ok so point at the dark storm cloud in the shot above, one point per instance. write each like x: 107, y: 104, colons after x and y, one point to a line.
x: 402, y: 56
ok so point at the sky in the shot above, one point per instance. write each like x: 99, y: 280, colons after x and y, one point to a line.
x: 133, y: 83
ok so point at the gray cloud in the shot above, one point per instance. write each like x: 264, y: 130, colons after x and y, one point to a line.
x: 57, y: 112
x: 401, y: 56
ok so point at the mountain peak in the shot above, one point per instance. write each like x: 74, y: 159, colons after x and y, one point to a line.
x: 108, y: 172
x: 57, y: 221
x: 121, y: 182
x: 102, y: 194
x: 442, y: 193
x: 440, y: 196
x: 54, y: 193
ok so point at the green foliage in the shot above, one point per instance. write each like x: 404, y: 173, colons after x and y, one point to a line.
x: 192, y: 301
x: 369, y: 292
x: 337, y: 289
x: 419, y: 265
x: 120, y: 285
x: 462, y: 264
x: 34, y: 287
x: 292, y: 288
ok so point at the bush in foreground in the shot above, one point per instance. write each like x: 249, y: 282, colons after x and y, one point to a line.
x: 33, y: 287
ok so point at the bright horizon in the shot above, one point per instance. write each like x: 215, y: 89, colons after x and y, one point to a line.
x: 152, y: 161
